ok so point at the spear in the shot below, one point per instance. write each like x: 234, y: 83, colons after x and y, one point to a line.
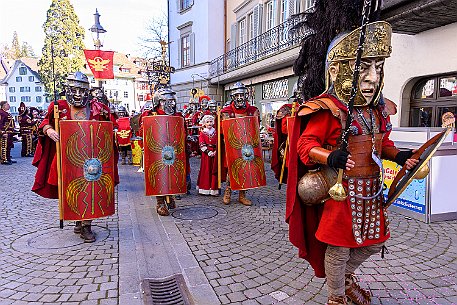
x: 59, y: 164
x: 286, y: 149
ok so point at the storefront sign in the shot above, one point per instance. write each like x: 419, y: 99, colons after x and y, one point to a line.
x: 275, y: 89
x: 413, y: 198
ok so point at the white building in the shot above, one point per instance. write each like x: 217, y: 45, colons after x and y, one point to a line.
x: 196, y: 30
x: 23, y: 84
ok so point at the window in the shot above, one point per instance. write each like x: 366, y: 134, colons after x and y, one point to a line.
x: 26, y: 98
x: 12, y: 99
x: 22, y: 71
x: 185, y: 4
x: 309, y: 4
x: 38, y: 99
x: 12, y: 89
x: 18, y: 79
x: 24, y: 89
x: 284, y: 11
x: 431, y: 98
x: 38, y: 89
x: 185, y: 51
x: 140, y: 98
x: 270, y: 20
x: 31, y: 78
x: 242, y: 31
x: 126, y: 94
x: 251, y: 26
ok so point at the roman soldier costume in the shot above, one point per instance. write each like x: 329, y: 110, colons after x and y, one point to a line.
x: 166, y: 162
x: 77, y: 108
x: 6, y: 134
x: 337, y: 234
x: 124, y: 134
x: 238, y: 107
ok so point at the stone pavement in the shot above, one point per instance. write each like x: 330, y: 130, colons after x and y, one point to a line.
x: 228, y: 254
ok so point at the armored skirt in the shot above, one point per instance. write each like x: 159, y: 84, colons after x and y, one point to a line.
x: 207, y: 177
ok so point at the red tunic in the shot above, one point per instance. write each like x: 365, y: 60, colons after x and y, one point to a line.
x: 312, y: 228
x: 207, y: 177
x: 280, y: 136
x: 45, y: 159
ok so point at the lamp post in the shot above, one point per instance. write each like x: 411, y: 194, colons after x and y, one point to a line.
x: 97, y: 30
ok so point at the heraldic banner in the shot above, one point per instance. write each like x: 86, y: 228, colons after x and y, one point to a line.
x: 100, y: 63
x: 87, y: 169
x: 243, y: 153
x: 164, y: 155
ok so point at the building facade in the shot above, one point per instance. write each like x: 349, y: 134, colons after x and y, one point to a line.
x: 421, y: 74
x: 261, y: 49
x: 23, y: 84
x: 196, y: 30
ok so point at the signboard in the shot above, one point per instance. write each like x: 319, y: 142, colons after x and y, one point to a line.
x: 413, y: 198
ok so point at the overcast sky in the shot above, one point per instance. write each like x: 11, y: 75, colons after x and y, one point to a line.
x: 124, y: 21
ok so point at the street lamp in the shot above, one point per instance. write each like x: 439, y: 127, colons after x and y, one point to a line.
x: 96, y: 31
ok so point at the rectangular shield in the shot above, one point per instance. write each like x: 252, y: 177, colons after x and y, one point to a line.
x: 87, y: 169
x: 164, y: 155
x: 243, y: 153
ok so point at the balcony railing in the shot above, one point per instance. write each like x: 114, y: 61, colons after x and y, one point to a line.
x: 267, y: 44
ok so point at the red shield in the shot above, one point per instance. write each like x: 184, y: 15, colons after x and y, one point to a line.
x: 164, y: 155
x: 123, y: 132
x: 243, y: 152
x: 87, y: 169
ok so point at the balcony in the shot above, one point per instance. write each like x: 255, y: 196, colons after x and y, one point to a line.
x: 272, y: 42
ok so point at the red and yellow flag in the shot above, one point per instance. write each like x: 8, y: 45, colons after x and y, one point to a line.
x: 100, y: 63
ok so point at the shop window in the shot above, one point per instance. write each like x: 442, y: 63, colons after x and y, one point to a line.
x: 431, y: 98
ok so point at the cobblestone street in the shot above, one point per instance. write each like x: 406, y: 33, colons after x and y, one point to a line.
x: 227, y: 254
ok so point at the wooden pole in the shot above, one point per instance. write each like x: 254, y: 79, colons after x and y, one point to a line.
x: 219, y: 155
x: 286, y: 149
x: 59, y: 163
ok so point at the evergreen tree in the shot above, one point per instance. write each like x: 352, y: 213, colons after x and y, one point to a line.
x: 27, y: 50
x: 64, y: 39
x: 15, y: 49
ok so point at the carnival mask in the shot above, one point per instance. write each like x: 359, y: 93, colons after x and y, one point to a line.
x: 239, y: 100
x: 204, y: 104
x: 212, y: 105
x: 169, y: 105
x: 77, y: 97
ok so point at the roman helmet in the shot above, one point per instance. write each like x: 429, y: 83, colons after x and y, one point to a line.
x: 203, y: 100
x: 343, y: 50
x: 165, y: 98
x: 77, y: 89
x: 212, y: 105
x: 121, y: 111
x: 239, y: 95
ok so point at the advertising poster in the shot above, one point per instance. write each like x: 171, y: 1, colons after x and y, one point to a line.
x: 413, y: 198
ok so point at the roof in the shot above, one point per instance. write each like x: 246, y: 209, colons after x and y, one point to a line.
x: 5, y: 66
x: 29, y: 62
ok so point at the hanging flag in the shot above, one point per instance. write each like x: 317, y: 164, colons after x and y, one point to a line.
x: 100, y: 63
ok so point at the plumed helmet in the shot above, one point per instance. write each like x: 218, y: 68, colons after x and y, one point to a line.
x: 165, y: 98
x: 203, y: 97
x: 78, y: 79
x: 238, y: 87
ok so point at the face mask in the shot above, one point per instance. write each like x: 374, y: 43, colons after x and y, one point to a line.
x: 76, y: 96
